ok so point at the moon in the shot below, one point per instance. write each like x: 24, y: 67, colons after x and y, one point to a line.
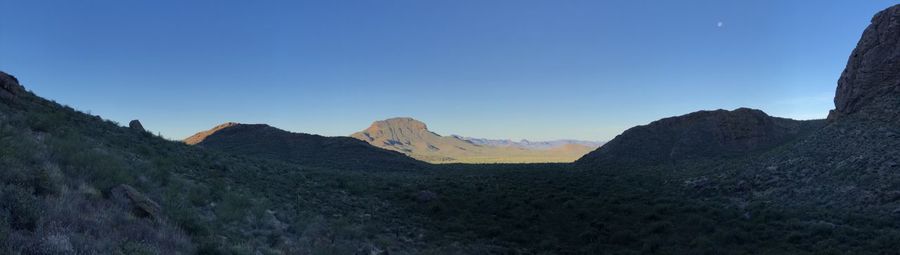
x: 720, y: 24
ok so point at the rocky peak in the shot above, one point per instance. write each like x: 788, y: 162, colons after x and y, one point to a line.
x: 396, y: 130
x: 870, y: 84
x: 401, y: 122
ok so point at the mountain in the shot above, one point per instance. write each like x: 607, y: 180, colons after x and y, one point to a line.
x: 412, y: 137
x: 264, y: 141
x: 863, y: 123
x: 852, y: 163
x: 526, y: 144
x: 703, y: 134
x: 849, y: 164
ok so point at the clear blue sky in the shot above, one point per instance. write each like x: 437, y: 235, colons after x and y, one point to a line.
x: 495, y: 69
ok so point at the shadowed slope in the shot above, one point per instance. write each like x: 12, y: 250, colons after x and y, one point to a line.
x: 854, y: 162
x: 700, y: 135
x: 262, y: 140
x: 73, y: 183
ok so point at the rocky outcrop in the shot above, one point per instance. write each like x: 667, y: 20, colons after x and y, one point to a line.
x: 127, y: 196
x: 412, y: 137
x: 9, y: 86
x: 399, y: 132
x: 870, y: 84
x: 700, y: 135
x: 136, y: 125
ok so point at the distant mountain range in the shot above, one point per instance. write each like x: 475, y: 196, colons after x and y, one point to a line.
x: 412, y: 137
x: 534, y: 145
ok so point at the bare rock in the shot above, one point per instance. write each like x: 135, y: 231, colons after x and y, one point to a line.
x: 870, y: 84
x: 9, y: 86
x: 136, y: 125
x: 127, y: 196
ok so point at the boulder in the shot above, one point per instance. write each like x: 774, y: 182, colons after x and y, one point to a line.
x: 870, y: 83
x: 136, y: 125
x: 127, y: 196
x: 9, y: 86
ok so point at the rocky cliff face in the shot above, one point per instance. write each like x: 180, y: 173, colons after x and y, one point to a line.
x: 402, y: 134
x: 703, y: 134
x: 870, y: 84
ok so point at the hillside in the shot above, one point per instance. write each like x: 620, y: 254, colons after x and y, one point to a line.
x: 73, y: 183
x: 848, y: 162
x: 264, y: 141
x: 839, y: 176
x: 412, y: 137
x: 852, y: 163
x: 700, y: 135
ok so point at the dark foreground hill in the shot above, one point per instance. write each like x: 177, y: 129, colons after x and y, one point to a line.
x: 854, y: 162
x: 700, y: 135
x: 261, y: 140
x: 73, y: 183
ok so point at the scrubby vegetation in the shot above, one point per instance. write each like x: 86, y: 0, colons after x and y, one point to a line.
x: 60, y: 168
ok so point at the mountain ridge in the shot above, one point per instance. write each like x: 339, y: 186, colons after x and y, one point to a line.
x: 412, y: 137
x: 262, y: 140
x: 702, y: 134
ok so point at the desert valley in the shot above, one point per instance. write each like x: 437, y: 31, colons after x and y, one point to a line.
x: 712, y: 181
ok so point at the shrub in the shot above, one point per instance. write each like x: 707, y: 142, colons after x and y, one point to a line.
x: 137, y: 248
x: 22, y: 208
x: 48, y: 181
